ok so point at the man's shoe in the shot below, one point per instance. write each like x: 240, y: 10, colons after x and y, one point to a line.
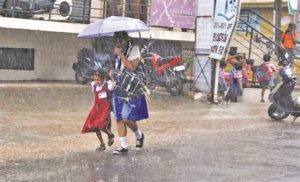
x: 120, y: 151
x: 140, y: 142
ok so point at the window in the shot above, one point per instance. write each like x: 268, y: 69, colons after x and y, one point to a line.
x: 114, y: 7
x: 253, y: 20
x: 16, y: 58
x: 137, y: 9
x: 129, y: 8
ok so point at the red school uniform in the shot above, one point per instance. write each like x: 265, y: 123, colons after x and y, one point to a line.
x: 99, y: 116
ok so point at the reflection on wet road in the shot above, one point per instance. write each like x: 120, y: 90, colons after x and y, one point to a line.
x: 186, y: 140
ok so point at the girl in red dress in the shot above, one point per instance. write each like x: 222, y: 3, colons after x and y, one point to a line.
x: 99, y: 117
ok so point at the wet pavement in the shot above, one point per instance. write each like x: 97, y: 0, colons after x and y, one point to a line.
x: 186, y: 140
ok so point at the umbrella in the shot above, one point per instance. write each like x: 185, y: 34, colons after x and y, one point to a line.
x: 107, y: 26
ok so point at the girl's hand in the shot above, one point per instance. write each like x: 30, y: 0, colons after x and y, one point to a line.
x: 118, y: 51
x: 111, y: 74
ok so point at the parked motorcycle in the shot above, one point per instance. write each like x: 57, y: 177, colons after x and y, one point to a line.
x: 87, y: 63
x: 168, y: 72
x: 283, y: 104
x: 25, y: 8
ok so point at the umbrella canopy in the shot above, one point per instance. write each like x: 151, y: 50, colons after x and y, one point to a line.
x: 107, y: 26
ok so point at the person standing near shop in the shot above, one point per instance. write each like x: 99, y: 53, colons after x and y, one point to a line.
x: 268, y: 82
x: 128, y: 112
x: 288, y: 41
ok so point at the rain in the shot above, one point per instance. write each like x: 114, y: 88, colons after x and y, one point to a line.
x: 187, y: 136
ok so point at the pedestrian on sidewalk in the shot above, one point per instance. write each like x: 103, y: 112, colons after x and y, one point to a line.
x: 236, y: 83
x: 99, y: 117
x: 288, y: 41
x: 267, y: 82
x: 128, y: 112
x: 222, y: 82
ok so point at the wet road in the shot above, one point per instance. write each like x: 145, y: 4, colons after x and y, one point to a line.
x: 186, y: 140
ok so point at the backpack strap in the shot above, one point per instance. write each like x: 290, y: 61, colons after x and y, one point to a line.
x: 108, y: 92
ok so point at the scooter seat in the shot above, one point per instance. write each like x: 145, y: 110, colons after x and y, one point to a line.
x: 165, y: 60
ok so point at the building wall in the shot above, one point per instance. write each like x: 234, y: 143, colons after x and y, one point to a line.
x: 268, y: 14
x: 54, y: 53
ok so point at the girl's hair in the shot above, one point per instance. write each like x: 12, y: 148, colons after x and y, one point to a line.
x: 238, y: 66
x: 291, y: 25
x: 223, y: 64
x: 101, y: 74
x: 267, y: 58
x: 121, y: 35
x: 282, y: 62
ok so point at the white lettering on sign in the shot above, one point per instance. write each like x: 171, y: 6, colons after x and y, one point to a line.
x: 225, y: 18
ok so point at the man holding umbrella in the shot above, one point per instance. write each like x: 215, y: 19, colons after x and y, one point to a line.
x: 128, y: 112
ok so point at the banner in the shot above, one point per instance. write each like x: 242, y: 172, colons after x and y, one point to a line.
x: 225, y: 18
x: 173, y: 13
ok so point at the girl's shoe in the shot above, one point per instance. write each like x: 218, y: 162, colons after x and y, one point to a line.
x: 262, y: 100
x: 101, y: 148
x: 120, y: 151
x: 140, y: 142
x: 111, y: 140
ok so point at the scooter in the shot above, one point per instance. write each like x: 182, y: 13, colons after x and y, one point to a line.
x: 168, y: 71
x: 87, y: 64
x: 283, y: 104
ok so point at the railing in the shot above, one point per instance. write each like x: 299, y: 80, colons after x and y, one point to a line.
x: 261, y: 21
x: 76, y: 11
x: 266, y: 46
x: 268, y: 42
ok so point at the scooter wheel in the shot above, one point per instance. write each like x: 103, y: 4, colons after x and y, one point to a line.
x: 80, y: 79
x: 176, y: 88
x: 276, y: 113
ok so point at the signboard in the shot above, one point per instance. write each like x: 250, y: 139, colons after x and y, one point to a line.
x: 224, y: 23
x: 297, y: 21
x: 204, y: 34
x: 204, y: 22
x: 292, y: 6
x: 205, y: 8
x: 173, y: 13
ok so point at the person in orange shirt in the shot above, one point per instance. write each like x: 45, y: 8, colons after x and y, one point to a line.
x: 288, y: 41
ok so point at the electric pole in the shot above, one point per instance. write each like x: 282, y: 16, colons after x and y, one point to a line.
x: 277, y: 18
